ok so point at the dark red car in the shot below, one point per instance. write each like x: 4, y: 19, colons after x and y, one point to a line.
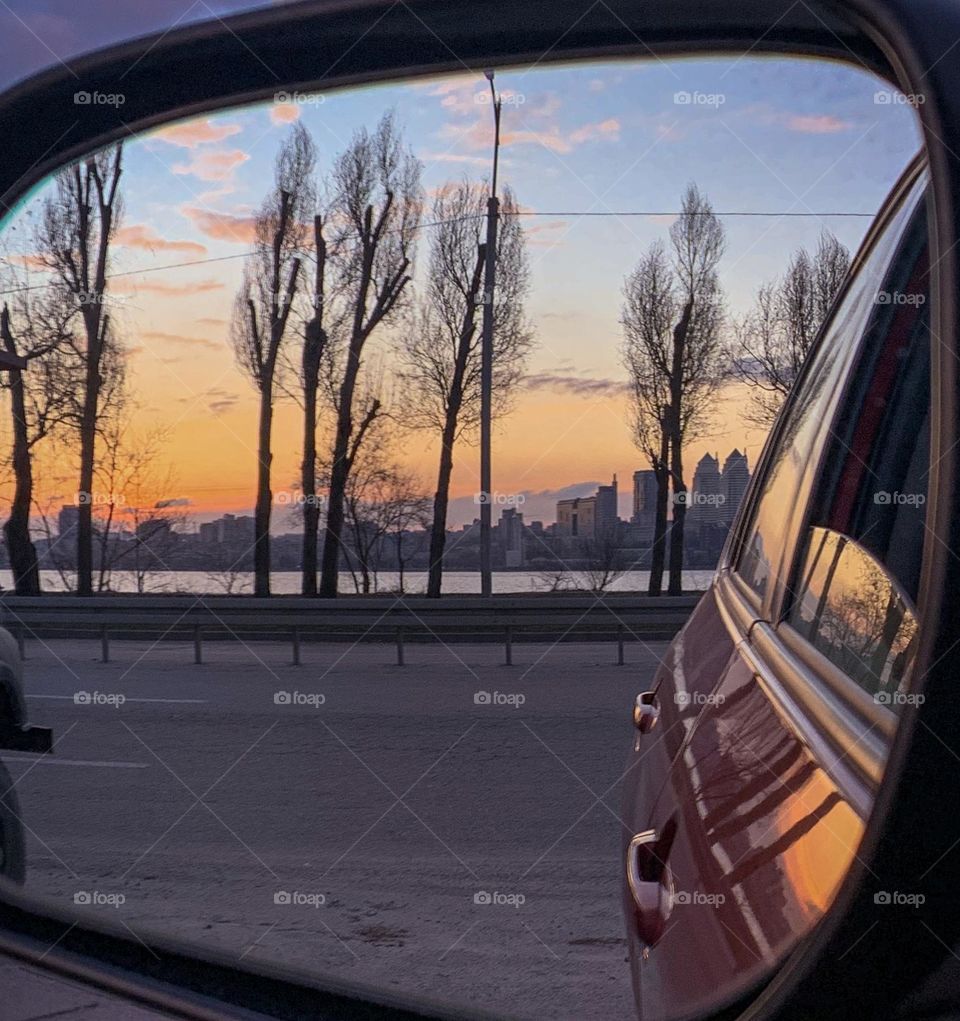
x: 758, y: 755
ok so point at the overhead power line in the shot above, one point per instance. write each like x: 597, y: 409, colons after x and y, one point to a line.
x: 165, y: 267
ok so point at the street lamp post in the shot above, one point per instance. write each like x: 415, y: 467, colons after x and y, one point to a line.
x: 486, y: 357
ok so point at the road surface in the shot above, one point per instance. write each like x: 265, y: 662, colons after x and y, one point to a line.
x: 447, y: 828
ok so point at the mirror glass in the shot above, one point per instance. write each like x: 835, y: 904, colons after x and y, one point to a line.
x: 253, y: 382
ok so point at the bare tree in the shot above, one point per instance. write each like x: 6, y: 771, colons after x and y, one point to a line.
x: 698, y: 358
x: 226, y: 571
x: 649, y: 311
x: 441, y: 353
x: 672, y: 318
x: 135, y: 513
x: 77, y: 225
x: 775, y: 336
x: 406, y: 509
x: 604, y: 561
x: 36, y: 329
x: 377, y: 208
x: 262, y: 309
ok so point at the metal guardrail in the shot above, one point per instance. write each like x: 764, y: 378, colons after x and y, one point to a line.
x: 384, y: 619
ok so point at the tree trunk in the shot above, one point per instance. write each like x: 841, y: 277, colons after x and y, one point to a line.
x: 22, y: 552
x: 340, y: 469
x: 441, y: 499
x: 400, y: 561
x: 308, y: 480
x: 675, y: 587
x: 261, y: 514
x: 339, y: 473
x: 314, y: 341
x: 658, y: 558
x: 88, y: 439
x: 106, y: 560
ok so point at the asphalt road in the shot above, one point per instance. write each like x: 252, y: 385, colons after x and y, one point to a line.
x: 374, y: 822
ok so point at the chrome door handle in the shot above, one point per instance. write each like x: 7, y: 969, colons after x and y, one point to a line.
x: 646, y: 711
x: 651, y: 882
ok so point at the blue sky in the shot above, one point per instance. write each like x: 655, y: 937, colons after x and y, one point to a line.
x: 756, y: 134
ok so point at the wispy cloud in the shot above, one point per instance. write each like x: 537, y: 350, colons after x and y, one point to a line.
x: 284, y: 113
x: 131, y: 285
x: 240, y: 228
x: 178, y: 338
x: 219, y: 399
x: 218, y: 165
x: 139, y: 235
x: 455, y: 157
x: 476, y: 136
x: 821, y: 124
x: 196, y: 133
x: 578, y: 386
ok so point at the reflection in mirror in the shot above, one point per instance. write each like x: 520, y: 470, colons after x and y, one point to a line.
x: 246, y: 517
x: 853, y: 611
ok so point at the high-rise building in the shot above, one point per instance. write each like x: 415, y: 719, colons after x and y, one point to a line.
x: 607, y: 517
x: 736, y: 477
x: 232, y: 529
x: 577, y: 517
x: 705, y: 500
x: 589, y: 517
x: 510, y: 533
x: 644, y: 496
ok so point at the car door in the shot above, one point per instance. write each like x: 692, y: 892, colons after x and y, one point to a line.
x: 777, y: 699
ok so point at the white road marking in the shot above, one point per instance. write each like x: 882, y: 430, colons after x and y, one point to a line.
x: 172, y: 701
x: 52, y: 760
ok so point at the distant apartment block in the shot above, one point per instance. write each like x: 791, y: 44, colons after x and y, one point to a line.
x: 588, y: 517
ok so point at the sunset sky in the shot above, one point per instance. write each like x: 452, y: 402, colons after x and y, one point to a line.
x: 787, y: 137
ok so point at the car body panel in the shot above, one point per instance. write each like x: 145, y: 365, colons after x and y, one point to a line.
x: 763, y: 776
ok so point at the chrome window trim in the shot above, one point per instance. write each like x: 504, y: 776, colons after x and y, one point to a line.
x: 848, y: 741
x: 738, y: 604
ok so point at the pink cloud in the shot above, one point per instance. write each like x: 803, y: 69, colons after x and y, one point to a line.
x: 196, y: 132
x: 141, y: 236
x: 551, y: 139
x: 455, y: 157
x: 823, y: 124
x: 610, y: 128
x: 213, y: 166
x: 177, y: 338
x: 477, y: 136
x: 284, y: 113
x: 222, y: 226
x: 128, y: 285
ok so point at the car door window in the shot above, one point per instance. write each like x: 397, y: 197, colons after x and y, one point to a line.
x: 804, y: 432
x: 855, y: 591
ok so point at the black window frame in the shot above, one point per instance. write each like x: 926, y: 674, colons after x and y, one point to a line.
x: 206, y: 67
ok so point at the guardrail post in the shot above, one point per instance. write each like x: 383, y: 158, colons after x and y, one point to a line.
x: 296, y: 647
x: 104, y: 644
x: 508, y: 644
x: 399, y: 646
x: 619, y: 645
x: 197, y: 644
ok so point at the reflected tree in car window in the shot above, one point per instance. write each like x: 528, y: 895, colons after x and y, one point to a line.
x: 851, y: 611
x: 805, y: 431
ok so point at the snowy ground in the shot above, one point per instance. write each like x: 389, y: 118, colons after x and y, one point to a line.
x: 382, y: 809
